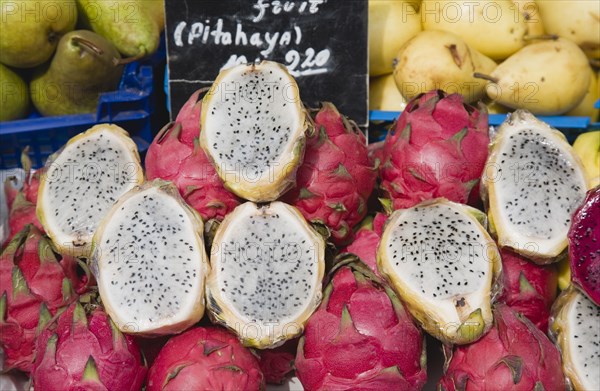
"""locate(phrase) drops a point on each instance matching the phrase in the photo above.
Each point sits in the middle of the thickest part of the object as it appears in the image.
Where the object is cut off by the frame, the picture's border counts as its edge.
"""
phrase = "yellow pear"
(547, 78)
(531, 13)
(440, 60)
(391, 24)
(495, 107)
(586, 107)
(384, 95)
(587, 147)
(494, 27)
(577, 20)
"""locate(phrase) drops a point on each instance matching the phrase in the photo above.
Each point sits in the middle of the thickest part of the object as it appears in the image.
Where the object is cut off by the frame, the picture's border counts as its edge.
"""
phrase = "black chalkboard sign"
(322, 42)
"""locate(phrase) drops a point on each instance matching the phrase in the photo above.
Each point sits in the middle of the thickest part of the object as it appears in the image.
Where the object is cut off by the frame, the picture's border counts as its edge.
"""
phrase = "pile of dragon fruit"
(261, 239)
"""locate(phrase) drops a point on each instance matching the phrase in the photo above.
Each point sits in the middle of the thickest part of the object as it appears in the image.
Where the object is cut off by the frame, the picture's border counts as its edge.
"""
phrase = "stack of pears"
(45, 61)
(529, 54)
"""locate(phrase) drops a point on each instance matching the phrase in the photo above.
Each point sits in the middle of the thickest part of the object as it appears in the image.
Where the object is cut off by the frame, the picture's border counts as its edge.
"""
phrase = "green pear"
(128, 24)
(14, 95)
(547, 78)
(577, 20)
(440, 60)
(156, 10)
(496, 28)
(31, 29)
(84, 66)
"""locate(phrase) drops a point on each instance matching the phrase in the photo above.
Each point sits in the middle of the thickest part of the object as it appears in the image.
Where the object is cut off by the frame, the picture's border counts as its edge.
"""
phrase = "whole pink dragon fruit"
(584, 246)
(336, 177)
(34, 285)
(528, 288)
(438, 148)
(205, 358)
(21, 204)
(361, 337)
(81, 352)
(514, 355)
(175, 155)
(278, 364)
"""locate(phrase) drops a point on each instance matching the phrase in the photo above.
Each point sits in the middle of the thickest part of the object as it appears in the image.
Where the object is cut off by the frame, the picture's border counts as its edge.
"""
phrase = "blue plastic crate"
(570, 126)
(129, 107)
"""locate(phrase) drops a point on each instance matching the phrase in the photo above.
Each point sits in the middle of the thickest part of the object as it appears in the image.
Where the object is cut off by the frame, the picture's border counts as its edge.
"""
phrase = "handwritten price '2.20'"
(308, 63)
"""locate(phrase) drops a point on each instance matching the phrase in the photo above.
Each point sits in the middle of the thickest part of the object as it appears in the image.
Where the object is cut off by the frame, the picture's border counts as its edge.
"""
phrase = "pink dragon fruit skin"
(189, 118)
(360, 337)
(205, 358)
(336, 177)
(528, 288)
(278, 364)
(34, 285)
(514, 355)
(80, 352)
(189, 168)
(438, 148)
(366, 241)
(21, 204)
(584, 246)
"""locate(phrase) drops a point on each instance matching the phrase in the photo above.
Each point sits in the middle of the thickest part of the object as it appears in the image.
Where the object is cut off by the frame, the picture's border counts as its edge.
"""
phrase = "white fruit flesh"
(150, 262)
(442, 263)
(267, 269)
(253, 129)
(82, 182)
(535, 182)
(577, 331)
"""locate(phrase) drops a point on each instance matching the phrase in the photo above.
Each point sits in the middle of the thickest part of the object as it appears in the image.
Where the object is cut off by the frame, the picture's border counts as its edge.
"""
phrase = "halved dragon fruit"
(150, 262)
(532, 185)
(575, 326)
(361, 337)
(205, 359)
(336, 177)
(86, 352)
(515, 355)
(584, 246)
(267, 266)
(34, 285)
(253, 129)
(444, 265)
(82, 181)
(528, 288)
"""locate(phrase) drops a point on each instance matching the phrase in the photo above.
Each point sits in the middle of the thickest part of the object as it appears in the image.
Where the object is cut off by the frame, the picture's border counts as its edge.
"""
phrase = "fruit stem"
(88, 45)
(483, 76)
(129, 60)
(548, 37)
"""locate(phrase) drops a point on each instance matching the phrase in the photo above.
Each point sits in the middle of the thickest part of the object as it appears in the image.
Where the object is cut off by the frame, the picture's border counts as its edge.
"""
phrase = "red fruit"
(205, 358)
(514, 355)
(366, 241)
(34, 285)
(278, 364)
(336, 177)
(80, 352)
(361, 337)
(150, 347)
(437, 149)
(528, 288)
(189, 168)
(189, 118)
(22, 203)
(584, 246)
